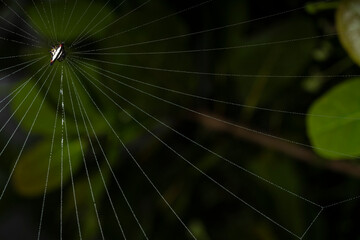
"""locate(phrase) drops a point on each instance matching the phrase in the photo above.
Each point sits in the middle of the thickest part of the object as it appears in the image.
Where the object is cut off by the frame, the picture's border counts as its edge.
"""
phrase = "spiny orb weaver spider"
(57, 53)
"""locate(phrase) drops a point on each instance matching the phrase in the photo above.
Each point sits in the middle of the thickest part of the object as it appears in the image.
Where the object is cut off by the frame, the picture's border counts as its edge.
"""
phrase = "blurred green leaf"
(342, 133)
(315, 7)
(60, 22)
(199, 230)
(313, 84)
(30, 173)
(45, 121)
(348, 27)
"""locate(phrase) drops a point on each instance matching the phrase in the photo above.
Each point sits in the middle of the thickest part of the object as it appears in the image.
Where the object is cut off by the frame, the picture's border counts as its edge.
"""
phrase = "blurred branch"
(298, 152)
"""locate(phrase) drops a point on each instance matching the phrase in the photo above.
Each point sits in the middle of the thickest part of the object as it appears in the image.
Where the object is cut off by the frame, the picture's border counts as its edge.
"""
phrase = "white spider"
(57, 53)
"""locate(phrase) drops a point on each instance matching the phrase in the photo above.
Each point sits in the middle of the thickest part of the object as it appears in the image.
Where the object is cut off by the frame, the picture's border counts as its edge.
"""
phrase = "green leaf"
(198, 228)
(67, 22)
(315, 7)
(348, 26)
(72, 79)
(29, 96)
(30, 173)
(339, 135)
(45, 121)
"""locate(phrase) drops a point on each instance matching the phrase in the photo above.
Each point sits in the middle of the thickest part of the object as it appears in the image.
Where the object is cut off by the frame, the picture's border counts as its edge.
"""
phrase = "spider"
(57, 53)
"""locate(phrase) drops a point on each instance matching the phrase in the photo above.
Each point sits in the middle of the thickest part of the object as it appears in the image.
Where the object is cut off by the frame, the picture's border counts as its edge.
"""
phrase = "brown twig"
(216, 123)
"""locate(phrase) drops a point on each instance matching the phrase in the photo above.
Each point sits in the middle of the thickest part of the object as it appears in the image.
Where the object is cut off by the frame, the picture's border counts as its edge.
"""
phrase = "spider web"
(139, 69)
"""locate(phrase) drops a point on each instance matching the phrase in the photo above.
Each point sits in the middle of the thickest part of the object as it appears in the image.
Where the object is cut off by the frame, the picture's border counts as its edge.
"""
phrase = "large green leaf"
(26, 106)
(348, 27)
(337, 136)
(28, 101)
(30, 173)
